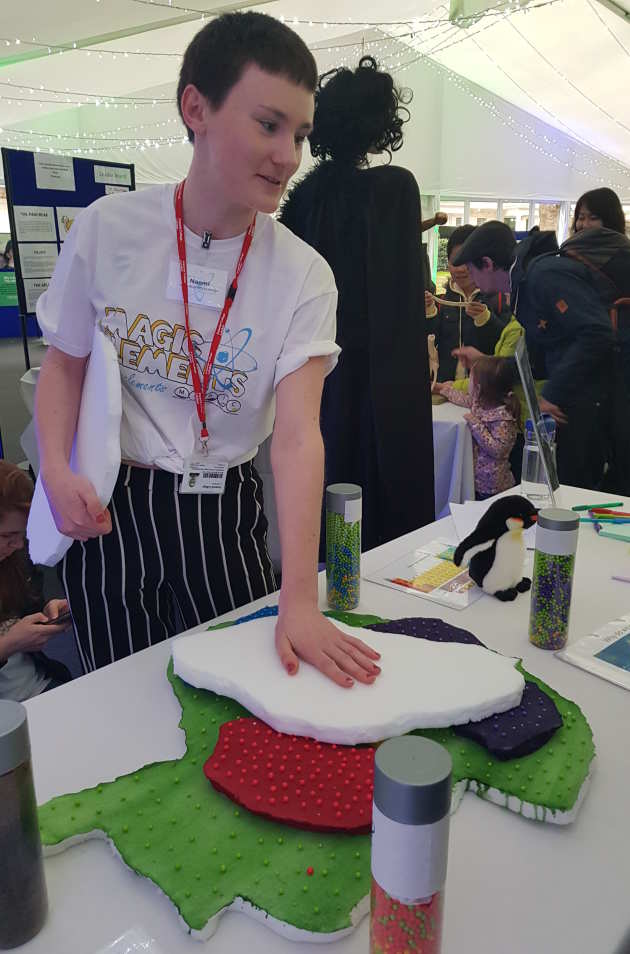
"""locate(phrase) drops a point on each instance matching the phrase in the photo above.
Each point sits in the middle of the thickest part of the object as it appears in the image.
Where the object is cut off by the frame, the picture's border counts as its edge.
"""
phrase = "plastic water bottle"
(533, 481)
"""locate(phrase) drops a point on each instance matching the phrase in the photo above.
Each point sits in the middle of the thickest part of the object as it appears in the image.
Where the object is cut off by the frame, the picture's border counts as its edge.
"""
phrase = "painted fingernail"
(100, 518)
(349, 681)
(376, 669)
(291, 669)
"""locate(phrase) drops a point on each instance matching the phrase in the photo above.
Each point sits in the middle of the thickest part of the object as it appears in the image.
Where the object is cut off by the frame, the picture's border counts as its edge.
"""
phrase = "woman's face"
(587, 219)
(459, 273)
(12, 533)
(253, 142)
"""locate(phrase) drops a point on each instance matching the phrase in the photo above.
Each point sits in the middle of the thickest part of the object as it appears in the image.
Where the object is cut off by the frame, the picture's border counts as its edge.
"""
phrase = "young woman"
(25, 622)
(224, 327)
(366, 222)
(597, 209)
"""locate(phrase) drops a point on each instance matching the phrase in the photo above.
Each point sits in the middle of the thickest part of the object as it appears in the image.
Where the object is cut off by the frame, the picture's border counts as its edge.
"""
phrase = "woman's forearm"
(298, 470)
(57, 402)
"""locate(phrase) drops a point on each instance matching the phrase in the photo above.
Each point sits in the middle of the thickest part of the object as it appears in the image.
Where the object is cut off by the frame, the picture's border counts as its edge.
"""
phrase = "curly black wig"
(356, 112)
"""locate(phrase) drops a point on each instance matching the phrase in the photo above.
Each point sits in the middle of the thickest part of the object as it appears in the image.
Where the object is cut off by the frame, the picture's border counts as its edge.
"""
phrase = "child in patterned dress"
(494, 412)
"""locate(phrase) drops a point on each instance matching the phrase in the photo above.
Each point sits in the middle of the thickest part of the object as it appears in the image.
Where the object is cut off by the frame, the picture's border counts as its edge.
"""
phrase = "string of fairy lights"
(398, 45)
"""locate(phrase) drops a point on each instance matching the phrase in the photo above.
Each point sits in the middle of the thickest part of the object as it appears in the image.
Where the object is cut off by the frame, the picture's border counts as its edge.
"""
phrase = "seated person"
(25, 625)
(472, 319)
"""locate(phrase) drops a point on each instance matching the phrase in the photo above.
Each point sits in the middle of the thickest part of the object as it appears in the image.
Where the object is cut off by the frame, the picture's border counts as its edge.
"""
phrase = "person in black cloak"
(366, 222)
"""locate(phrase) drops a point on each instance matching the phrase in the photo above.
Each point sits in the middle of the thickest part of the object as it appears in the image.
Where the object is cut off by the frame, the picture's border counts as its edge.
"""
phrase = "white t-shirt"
(119, 266)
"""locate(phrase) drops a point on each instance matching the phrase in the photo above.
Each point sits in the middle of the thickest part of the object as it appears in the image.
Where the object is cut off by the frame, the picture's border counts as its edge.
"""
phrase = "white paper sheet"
(66, 214)
(114, 175)
(33, 289)
(54, 172)
(34, 223)
(38, 259)
(604, 652)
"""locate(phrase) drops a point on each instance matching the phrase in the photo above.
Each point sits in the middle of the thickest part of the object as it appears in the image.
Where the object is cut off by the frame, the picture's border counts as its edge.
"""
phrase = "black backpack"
(607, 256)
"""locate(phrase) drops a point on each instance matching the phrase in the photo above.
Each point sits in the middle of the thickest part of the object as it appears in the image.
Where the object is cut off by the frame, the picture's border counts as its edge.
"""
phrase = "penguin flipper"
(475, 542)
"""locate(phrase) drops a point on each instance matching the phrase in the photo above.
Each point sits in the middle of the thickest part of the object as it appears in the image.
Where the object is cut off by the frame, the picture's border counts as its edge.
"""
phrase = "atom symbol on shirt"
(233, 349)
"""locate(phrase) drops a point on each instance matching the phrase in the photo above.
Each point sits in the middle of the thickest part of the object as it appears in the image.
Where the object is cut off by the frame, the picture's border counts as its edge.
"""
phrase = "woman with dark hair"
(366, 222)
(223, 327)
(599, 209)
(26, 624)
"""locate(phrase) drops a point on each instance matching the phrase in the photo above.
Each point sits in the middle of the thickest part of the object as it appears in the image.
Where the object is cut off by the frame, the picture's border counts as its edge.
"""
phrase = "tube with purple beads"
(552, 583)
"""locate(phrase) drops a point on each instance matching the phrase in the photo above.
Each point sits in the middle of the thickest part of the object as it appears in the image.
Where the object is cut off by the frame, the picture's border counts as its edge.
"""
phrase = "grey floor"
(14, 417)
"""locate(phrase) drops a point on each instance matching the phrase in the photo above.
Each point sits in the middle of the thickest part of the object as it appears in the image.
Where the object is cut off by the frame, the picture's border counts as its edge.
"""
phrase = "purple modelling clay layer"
(507, 735)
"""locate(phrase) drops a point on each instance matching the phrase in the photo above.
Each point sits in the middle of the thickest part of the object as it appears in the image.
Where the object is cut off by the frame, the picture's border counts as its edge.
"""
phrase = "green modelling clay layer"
(171, 826)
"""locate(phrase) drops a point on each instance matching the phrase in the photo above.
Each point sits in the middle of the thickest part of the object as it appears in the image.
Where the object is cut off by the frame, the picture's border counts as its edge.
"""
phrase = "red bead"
(310, 871)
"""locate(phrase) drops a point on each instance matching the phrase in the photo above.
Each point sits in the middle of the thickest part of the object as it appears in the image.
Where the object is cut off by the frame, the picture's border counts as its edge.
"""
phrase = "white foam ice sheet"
(422, 685)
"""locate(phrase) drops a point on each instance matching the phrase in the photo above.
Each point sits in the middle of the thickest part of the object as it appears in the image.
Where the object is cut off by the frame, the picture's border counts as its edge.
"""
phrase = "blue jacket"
(567, 327)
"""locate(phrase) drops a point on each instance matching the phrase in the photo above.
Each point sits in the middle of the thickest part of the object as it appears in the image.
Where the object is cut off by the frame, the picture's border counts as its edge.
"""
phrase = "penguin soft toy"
(494, 552)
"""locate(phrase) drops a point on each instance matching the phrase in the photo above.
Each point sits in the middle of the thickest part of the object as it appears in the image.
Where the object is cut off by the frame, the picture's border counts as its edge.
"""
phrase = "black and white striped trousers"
(204, 553)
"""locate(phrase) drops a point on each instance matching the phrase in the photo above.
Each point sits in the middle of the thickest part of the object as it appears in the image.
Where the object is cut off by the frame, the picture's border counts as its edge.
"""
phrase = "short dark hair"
(356, 111)
(218, 55)
(493, 240)
(457, 237)
(605, 204)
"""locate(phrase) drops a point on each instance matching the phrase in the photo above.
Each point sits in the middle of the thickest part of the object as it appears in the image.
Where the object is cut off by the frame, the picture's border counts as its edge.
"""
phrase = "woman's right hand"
(77, 511)
(28, 635)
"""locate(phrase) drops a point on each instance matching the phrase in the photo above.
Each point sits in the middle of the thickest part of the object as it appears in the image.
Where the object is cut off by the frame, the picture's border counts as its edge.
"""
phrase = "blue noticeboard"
(42, 191)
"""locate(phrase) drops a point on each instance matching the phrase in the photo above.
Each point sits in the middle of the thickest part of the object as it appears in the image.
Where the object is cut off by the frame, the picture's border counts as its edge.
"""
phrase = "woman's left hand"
(56, 608)
(303, 633)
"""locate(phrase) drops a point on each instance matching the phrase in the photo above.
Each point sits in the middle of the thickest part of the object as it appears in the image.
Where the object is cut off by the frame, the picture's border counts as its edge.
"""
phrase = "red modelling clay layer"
(300, 782)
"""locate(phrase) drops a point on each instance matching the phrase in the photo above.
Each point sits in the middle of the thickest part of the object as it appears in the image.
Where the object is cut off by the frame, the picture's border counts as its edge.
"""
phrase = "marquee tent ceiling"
(99, 75)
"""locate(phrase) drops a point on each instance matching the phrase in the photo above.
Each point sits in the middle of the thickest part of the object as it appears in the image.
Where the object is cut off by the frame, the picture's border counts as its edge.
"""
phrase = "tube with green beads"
(343, 545)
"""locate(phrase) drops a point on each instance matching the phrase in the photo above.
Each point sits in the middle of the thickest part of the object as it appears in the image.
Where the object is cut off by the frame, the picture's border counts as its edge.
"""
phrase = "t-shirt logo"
(562, 306)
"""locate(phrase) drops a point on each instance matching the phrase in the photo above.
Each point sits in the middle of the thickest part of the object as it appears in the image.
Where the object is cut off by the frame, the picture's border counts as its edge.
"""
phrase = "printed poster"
(54, 172)
(112, 175)
(38, 259)
(33, 289)
(65, 219)
(429, 572)
(34, 223)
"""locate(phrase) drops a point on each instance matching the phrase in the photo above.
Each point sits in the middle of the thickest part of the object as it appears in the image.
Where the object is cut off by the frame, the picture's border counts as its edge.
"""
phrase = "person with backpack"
(599, 209)
(562, 299)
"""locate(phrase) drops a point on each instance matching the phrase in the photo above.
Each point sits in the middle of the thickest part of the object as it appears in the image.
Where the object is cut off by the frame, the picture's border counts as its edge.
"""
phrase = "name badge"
(207, 287)
(203, 475)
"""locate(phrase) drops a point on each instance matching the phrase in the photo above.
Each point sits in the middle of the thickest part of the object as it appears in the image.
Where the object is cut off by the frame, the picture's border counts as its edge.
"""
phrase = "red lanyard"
(201, 384)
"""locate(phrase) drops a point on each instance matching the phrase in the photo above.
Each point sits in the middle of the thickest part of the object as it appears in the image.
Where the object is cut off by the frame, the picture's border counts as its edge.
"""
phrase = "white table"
(514, 886)
(452, 457)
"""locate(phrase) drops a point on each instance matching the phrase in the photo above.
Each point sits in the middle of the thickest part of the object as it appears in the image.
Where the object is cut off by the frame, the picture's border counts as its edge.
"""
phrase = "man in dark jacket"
(569, 338)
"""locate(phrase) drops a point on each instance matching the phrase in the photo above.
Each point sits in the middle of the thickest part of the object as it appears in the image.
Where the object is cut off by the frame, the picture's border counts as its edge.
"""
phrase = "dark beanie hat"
(492, 239)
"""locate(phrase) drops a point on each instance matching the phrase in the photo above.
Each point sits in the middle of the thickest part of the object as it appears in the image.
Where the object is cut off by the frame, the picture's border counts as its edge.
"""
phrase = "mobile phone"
(62, 618)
